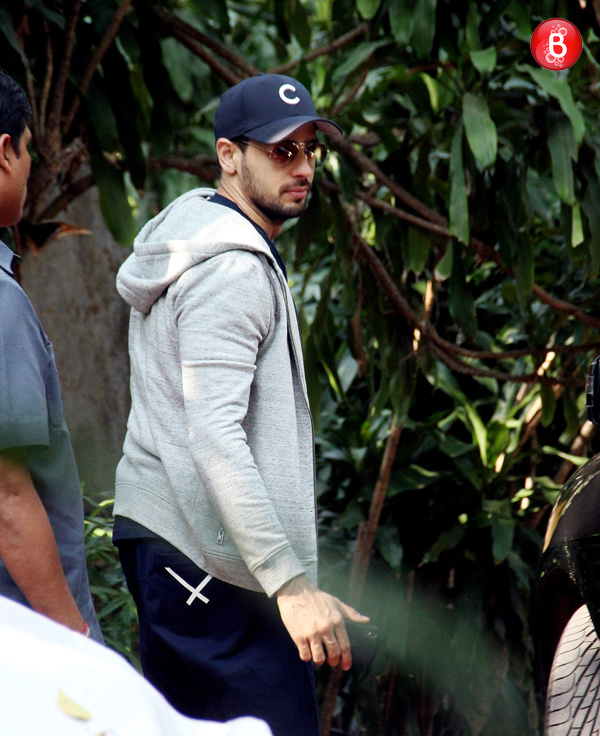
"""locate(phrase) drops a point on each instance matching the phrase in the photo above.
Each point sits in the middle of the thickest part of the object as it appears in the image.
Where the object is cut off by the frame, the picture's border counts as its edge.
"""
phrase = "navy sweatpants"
(214, 650)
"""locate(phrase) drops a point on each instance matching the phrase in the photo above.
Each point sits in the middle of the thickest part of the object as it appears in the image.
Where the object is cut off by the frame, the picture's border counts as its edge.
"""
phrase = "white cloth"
(55, 682)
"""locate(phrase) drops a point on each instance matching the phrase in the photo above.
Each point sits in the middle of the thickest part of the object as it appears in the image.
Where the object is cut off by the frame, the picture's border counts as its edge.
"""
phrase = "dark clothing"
(229, 642)
(125, 528)
(31, 417)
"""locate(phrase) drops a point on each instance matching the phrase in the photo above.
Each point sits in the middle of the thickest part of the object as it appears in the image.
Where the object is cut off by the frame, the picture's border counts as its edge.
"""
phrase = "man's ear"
(226, 151)
(6, 153)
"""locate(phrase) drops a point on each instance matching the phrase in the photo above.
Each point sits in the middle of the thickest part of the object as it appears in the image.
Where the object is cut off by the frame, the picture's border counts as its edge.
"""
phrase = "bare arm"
(315, 619)
(27, 544)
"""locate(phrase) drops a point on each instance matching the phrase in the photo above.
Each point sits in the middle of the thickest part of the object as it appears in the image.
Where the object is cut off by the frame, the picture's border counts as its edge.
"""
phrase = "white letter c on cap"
(288, 88)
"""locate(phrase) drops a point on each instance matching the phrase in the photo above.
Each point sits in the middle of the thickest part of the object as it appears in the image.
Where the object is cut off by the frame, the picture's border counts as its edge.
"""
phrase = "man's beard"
(272, 209)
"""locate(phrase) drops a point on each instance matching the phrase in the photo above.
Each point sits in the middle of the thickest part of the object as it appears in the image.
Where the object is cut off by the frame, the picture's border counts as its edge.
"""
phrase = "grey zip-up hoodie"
(219, 453)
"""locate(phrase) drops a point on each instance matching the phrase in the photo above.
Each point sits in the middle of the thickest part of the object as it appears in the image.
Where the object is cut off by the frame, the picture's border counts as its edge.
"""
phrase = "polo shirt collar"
(7, 259)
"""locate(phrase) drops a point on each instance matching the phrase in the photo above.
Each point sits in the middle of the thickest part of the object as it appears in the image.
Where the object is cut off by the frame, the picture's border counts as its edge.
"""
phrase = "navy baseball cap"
(267, 108)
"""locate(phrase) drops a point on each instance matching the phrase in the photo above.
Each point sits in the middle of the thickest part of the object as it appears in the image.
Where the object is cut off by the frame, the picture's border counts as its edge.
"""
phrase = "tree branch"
(204, 167)
(47, 85)
(360, 559)
(65, 198)
(328, 48)
(186, 32)
(339, 106)
(94, 63)
(444, 350)
(368, 528)
(53, 126)
(366, 164)
(484, 250)
(380, 204)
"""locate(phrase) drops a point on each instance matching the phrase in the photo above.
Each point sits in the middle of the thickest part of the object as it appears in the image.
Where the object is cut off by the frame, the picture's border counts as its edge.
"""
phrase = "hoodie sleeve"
(223, 312)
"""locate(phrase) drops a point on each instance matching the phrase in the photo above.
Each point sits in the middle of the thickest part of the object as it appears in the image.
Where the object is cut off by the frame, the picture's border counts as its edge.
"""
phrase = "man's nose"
(301, 166)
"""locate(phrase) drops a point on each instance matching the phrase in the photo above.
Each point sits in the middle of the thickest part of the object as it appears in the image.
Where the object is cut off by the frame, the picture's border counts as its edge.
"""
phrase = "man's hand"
(315, 621)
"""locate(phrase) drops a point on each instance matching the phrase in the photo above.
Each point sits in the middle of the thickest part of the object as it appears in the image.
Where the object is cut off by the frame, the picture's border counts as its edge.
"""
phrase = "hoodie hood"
(190, 230)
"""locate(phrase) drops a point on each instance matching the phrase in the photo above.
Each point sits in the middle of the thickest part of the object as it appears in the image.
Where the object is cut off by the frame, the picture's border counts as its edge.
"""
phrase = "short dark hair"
(15, 109)
(241, 142)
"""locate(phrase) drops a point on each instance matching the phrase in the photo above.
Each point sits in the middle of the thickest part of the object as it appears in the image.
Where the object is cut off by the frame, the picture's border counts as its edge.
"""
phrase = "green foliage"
(114, 605)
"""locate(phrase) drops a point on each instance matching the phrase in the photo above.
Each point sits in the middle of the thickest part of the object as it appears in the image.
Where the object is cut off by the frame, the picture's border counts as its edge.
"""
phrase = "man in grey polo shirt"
(42, 562)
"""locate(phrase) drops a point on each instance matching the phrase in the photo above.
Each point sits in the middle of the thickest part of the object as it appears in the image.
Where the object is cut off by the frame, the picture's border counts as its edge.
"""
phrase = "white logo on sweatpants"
(288, 100)
(194, 591)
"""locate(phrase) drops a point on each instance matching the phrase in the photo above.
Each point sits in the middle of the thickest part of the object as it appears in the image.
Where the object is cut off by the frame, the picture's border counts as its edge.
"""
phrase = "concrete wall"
(71, 283)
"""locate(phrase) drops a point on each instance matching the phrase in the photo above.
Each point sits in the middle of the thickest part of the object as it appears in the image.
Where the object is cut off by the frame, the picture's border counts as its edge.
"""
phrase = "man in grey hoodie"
(215, 502)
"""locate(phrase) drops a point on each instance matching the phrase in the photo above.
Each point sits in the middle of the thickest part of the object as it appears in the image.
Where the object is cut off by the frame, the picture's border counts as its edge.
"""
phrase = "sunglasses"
(282, 154)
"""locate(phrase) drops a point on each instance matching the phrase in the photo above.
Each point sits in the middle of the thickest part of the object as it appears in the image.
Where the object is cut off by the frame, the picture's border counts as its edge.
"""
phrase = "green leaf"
(388, 545)
(443, 267)
(309, 225)
(460, 299)
(8, 31)
(576, 226)
(347, 369)
(525, 270)
(424, 28)
(446, 541)
(484, 61)
(418, 248)
(559, 88)
(113, 196)
(562, 152)
(356, 58)
(216, 9)
(592, 213)
(503, 534)
(548, 405)
(401, 391)
(314, 386)
(57, 19)
(183, 67)
(402, 19)
(412, 478)
(480, 129)
(351, 517)
(521, 16)
(454, 447)
(299, 22)
(446, 381)
(575, 459)
(367, 8)
(459, 207)
(472, 27)
(479, 431)
(499, 515)
(281, 22)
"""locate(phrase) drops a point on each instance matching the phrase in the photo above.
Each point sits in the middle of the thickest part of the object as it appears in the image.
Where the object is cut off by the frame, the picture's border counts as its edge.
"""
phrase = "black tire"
(573, 697)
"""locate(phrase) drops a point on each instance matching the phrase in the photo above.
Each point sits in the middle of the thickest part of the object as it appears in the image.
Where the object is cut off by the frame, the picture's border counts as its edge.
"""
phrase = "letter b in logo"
(556, 44)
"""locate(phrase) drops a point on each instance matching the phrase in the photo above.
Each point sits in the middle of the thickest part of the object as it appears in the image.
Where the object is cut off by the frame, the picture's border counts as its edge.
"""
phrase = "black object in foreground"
(363, 640)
